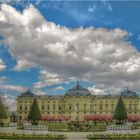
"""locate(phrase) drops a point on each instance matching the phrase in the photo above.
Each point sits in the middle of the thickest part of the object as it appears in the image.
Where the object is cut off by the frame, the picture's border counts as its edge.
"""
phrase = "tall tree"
(3, 111)
(120, 113)
(34, 114)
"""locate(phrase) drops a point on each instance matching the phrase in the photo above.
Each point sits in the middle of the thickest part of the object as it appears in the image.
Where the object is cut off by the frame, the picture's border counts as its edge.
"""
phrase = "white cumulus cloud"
(2, 65)
(59, 88)
(96, 54)
(12, 88)
(46, 78)
(9, 101)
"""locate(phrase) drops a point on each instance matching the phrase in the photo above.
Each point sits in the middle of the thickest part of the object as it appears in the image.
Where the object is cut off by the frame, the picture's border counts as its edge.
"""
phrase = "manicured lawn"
(57, 126)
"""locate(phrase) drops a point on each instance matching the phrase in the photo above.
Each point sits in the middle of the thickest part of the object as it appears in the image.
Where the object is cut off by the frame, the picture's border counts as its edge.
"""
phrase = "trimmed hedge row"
(85, 127)
(31, 136)
(113, 136)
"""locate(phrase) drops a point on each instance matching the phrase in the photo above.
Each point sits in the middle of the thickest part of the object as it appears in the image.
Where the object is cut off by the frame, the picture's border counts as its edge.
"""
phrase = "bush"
(79, 126)
(114, 136)
(30, 136)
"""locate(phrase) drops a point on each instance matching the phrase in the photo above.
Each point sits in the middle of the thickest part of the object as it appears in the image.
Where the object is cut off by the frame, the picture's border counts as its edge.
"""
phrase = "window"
(43, 107)
(69, 106)
(20, 107)
(53, 107)
(25, 107)
(20, 118)
(48, 107)
(106, 106)
(59, 107)
(101, 107)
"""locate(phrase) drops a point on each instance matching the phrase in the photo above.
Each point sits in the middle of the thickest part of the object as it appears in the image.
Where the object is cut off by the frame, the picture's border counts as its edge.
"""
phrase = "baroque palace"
(76, 103)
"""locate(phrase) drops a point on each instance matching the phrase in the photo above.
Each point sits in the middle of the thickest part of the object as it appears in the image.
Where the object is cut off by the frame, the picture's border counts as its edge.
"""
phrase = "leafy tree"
(34, 114)
(3, 112)
(120, 113)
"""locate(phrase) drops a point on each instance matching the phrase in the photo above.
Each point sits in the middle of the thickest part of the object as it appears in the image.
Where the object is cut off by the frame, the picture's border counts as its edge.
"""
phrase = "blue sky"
(72, 15)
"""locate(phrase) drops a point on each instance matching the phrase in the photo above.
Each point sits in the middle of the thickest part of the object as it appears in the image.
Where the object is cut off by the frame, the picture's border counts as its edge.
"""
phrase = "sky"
(46, 46)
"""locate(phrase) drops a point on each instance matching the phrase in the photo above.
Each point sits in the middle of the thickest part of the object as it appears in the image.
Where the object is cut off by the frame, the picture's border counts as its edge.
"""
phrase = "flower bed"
(114, 136)
(85, 127)
(31, 136)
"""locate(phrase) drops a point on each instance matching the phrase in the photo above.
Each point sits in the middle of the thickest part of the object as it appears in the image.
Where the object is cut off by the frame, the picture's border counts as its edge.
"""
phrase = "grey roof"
(51, 96)
(27, 94)
(107, 96)
(78, 90)
(128, 93)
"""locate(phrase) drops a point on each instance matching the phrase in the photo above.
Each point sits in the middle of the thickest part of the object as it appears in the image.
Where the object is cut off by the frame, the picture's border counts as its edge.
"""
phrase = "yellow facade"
(77, 103)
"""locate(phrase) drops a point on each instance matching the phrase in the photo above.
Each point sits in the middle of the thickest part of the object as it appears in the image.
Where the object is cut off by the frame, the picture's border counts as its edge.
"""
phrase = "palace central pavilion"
(77, 102)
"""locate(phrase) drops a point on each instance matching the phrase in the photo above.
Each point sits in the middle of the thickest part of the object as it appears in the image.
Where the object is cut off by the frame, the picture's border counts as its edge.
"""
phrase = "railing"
(119, 128)
(35, 129)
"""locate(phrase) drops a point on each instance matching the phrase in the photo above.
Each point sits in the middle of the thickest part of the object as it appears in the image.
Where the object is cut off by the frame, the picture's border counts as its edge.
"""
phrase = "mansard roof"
(27, 94)
(128, 93)
(78, 90)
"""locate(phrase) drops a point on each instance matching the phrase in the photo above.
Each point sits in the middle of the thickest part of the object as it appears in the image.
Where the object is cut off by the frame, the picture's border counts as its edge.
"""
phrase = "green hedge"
(114, 136)
(31, 136)
(84, 127)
